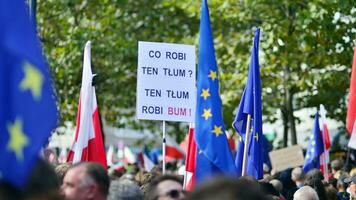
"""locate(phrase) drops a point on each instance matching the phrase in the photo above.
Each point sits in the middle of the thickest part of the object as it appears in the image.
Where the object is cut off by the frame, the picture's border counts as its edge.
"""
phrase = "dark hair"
(97, 173)
(314, 174)
(244, 188)
(151, 193)
(318, 186)
(43, 182)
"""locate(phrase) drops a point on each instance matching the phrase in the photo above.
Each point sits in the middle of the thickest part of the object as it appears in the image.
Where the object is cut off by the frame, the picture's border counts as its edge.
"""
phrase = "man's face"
(170, 190)
(72, 187)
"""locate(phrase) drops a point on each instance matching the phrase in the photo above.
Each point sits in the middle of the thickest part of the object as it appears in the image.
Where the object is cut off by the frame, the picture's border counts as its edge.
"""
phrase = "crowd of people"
(90, 181)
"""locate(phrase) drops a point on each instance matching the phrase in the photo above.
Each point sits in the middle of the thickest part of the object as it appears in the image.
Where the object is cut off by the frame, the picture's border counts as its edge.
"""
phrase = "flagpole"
(164, 148)
(246, 145)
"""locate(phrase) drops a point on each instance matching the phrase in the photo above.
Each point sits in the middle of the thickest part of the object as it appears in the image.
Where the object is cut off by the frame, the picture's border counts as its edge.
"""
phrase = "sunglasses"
(175, 193)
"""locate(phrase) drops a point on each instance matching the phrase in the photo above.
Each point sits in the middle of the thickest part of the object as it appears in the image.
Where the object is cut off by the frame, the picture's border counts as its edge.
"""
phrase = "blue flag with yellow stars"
(251, 104)
(315, 147)
(27, 106)
(214, 155)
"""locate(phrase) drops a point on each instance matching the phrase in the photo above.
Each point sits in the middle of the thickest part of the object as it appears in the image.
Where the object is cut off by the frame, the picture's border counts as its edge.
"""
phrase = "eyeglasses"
(175, 193)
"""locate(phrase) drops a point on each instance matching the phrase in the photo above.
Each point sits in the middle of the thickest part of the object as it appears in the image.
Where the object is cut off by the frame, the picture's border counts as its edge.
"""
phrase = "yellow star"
(33, 80)
(213, 75)
(217, 130)
(207, 114)
(205, 94)
(18, 139)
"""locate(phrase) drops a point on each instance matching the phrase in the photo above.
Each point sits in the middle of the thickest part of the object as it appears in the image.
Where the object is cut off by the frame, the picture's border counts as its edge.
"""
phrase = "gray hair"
(277, 184)
(297, 174)
(305, 193)
(124, 189)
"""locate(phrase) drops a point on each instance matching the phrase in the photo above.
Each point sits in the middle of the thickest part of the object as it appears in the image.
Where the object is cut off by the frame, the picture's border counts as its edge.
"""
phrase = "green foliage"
(300, 50)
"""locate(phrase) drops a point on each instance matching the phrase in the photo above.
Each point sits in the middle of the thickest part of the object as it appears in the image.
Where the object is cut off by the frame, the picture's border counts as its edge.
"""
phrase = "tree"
(305, 52)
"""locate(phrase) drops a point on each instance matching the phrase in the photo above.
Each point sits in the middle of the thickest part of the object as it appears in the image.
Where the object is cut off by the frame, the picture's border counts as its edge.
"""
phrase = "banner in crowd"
(166, 82)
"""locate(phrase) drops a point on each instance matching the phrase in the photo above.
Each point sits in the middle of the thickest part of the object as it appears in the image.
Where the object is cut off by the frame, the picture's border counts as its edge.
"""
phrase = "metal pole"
(164, 148)
(246, 145)
(32, 8)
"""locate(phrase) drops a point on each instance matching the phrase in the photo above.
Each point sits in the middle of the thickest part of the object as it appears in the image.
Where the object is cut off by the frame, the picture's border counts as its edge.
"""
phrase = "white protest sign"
(285, 158)
(166, 87)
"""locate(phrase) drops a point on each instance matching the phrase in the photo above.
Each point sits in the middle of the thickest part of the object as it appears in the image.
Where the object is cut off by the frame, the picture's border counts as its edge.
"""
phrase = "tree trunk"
(285, 125)
(291, 117)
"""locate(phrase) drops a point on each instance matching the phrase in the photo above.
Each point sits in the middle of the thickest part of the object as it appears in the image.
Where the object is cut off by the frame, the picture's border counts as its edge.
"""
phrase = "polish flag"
(189, 177)
(88, 142)
(351, 110)
(173, 150)
(324, 157)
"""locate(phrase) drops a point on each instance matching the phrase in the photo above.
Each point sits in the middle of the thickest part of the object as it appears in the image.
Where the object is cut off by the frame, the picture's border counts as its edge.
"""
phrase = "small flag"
(251, 104)
(28, 111)
(189, 178)
(110, 156)
(88, 144)
(173, 150)
(147, 162)
(62, 155)
(324, 158)
(214, 155)
(315, 147)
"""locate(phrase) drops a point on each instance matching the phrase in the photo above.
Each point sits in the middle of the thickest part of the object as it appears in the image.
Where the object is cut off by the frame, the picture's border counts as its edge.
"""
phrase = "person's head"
(165, 187)
(318, 186)
(42, 183)
(351, 181)
(305, 193)
(124, 189)
(61, 170)
(277, 184)
(297, 174)
(86, 180)
(331, 192)
(244, 188)
(341, 186)
(336, 165)
(314, 174)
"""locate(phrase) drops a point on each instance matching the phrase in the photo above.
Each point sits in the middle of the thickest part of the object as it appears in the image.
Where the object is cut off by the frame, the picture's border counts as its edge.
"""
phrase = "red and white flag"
(88, 143)
(351, 109)
(173, 149)
(324, 157)
(189, 177)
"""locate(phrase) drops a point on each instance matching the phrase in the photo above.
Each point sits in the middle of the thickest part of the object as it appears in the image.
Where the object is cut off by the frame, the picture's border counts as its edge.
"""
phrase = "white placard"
(285, 158)
(166, 77)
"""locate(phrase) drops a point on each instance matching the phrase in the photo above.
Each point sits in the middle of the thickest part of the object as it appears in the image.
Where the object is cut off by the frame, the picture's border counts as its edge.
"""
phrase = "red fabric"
(95, 151)
(351, 110)
(173, 152)
(231, 142)
(190, 160)
(327, 138)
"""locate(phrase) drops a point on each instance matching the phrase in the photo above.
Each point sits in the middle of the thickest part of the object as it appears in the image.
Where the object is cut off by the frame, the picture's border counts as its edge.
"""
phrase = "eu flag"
(251, 104)
(27, 107)
(315, 147)
(214, 155)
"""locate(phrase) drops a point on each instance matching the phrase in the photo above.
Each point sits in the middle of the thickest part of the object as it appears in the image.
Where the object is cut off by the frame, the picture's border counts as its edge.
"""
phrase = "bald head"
(86, 181)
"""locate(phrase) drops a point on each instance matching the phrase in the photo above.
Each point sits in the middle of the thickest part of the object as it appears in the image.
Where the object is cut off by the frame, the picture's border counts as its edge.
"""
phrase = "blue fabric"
(315, 147)
(251, 104)
(213, 152)
(28, 111)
